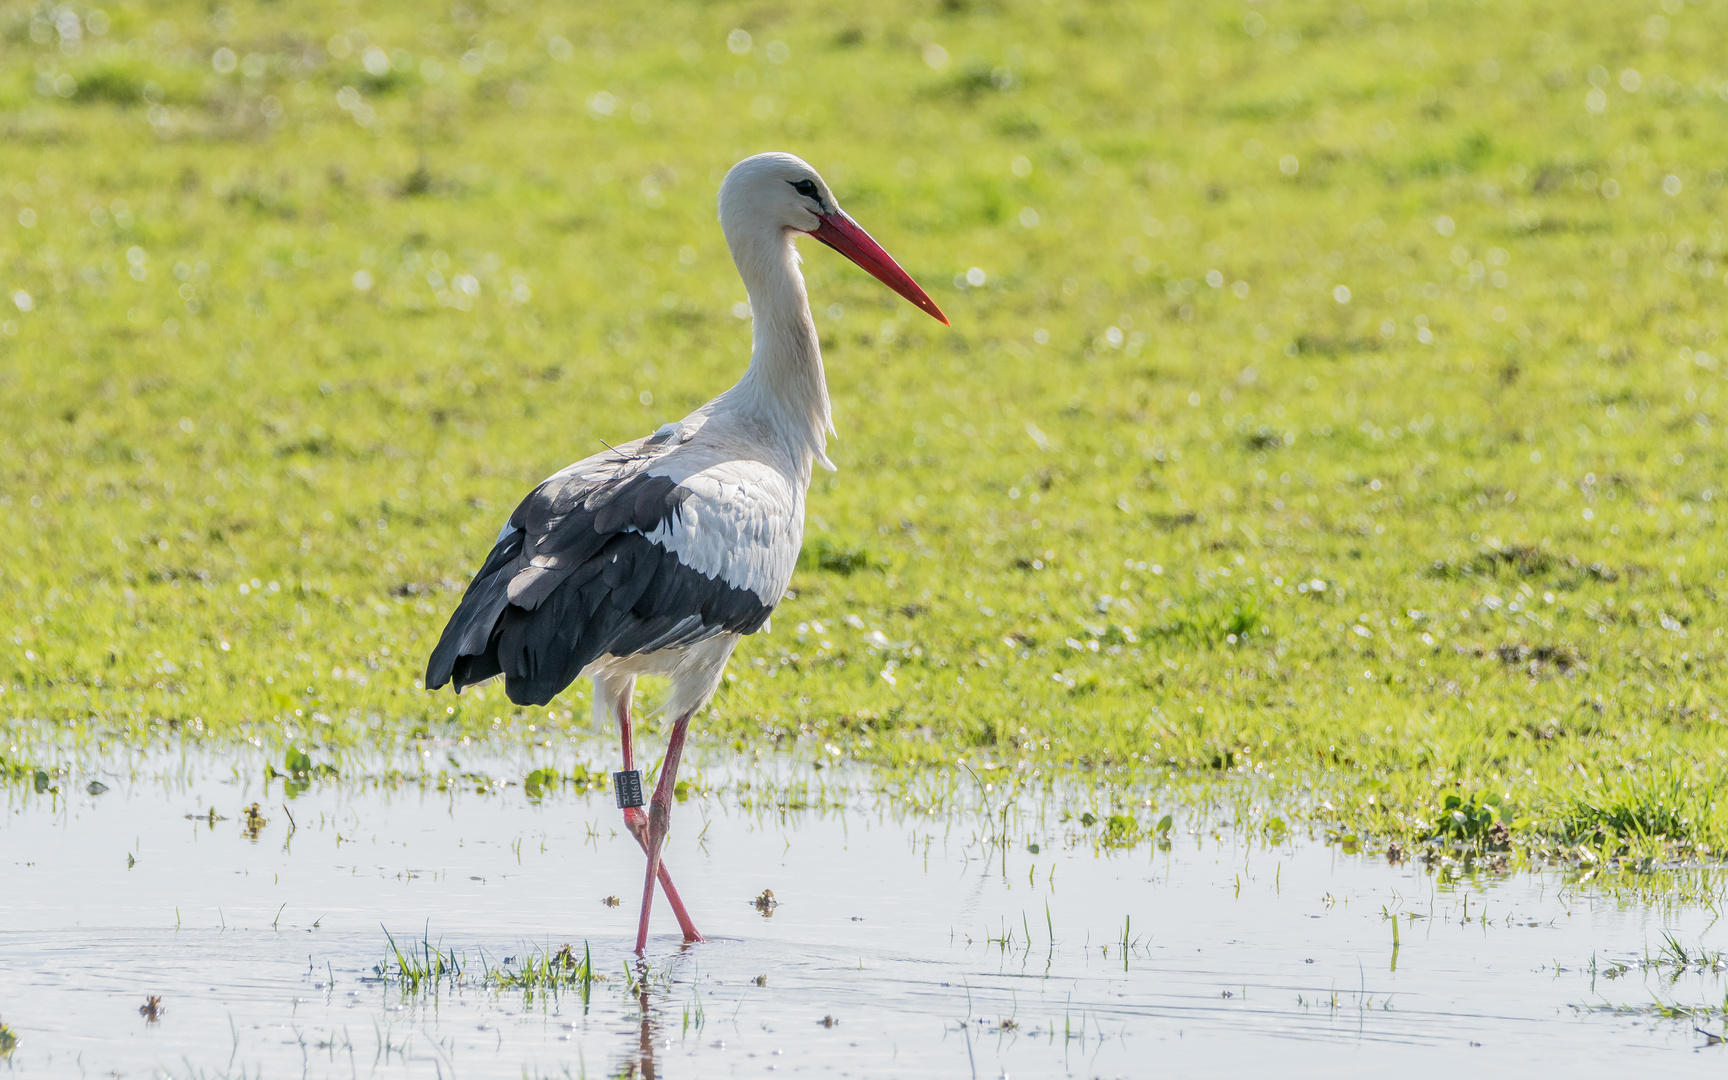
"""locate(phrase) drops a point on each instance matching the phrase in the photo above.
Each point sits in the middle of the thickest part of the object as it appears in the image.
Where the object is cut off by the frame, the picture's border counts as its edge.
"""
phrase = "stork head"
(770, 195)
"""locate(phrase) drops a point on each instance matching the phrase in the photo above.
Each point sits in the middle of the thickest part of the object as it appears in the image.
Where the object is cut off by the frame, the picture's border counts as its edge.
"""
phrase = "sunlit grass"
(1340, 406)
(425, 968)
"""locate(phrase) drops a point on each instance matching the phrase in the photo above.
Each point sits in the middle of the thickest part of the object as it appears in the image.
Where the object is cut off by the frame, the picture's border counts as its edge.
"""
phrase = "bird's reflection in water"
(639, 1064)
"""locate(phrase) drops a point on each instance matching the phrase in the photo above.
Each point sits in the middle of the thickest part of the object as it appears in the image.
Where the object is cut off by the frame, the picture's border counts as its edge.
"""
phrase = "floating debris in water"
(611, 901)
(766, 903)
(254, 821)
(152, 1009)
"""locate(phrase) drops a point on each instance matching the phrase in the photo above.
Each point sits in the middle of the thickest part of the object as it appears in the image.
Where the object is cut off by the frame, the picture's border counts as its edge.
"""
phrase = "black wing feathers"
(471, 626)
(589, 583)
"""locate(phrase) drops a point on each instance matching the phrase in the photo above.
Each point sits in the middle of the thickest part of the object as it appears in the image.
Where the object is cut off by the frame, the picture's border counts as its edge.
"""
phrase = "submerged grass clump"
(15, 770)
(427, 966)
(542, 970)
(430, 969)
(1337, 415)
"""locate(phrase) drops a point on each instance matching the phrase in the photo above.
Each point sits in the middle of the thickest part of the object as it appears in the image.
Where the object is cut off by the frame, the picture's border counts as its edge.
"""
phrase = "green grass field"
(1335, 398)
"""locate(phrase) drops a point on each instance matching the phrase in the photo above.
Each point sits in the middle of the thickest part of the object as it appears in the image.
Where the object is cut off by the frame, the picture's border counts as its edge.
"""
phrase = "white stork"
(655, 557)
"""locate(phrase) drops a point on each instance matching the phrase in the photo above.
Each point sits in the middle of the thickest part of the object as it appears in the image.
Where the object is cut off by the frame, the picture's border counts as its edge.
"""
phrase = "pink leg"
(637, 822)
(659, 823)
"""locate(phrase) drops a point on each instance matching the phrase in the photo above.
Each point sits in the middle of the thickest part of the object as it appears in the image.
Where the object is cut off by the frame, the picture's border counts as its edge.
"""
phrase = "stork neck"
(785, 382)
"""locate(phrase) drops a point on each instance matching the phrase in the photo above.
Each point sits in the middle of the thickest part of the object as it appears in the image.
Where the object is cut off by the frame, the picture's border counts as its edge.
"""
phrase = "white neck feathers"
(785, 386)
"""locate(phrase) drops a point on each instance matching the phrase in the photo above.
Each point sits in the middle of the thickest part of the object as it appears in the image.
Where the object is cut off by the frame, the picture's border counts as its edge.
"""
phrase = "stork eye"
(806, 188)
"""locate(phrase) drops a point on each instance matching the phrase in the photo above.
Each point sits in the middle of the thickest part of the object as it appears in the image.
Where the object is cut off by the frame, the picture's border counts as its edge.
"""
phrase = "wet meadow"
(1321, 469)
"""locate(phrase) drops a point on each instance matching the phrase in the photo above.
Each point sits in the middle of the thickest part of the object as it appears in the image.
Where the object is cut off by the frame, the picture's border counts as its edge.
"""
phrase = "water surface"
(903, 944)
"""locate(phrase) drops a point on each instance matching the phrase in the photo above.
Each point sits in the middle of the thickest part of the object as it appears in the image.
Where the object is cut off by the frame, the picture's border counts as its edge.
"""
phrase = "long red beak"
(844, 235)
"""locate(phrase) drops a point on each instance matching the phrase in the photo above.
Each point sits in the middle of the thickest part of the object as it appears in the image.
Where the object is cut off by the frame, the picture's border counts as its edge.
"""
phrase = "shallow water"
(928, 948)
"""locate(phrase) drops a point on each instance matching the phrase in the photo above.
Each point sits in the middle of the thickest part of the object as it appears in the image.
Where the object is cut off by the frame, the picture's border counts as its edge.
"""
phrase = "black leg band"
(628, 786)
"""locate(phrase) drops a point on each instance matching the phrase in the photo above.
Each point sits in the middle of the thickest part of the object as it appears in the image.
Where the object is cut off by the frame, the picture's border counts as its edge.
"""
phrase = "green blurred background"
(1333, 390)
